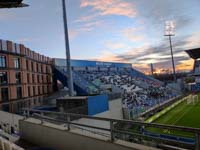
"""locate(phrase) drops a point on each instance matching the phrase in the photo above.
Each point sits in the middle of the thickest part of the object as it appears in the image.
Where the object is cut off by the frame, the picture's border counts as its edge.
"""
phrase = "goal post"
(192, 99)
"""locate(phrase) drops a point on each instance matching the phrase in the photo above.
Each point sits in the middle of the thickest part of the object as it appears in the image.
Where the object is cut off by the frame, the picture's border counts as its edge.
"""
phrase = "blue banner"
(87, 63)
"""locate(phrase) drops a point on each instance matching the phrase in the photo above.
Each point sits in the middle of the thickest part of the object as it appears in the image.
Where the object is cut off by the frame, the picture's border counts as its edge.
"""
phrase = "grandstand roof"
(194, 53)
(12, 4)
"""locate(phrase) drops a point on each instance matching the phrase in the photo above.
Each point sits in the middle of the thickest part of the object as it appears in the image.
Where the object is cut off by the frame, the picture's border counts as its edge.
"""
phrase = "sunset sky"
(108, 30)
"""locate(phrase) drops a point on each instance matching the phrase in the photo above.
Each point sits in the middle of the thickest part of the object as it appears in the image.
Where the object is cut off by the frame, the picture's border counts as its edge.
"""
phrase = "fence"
(115, 132)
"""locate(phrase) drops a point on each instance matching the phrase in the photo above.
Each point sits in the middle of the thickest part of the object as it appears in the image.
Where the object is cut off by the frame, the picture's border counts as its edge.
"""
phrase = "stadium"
(183, 112)
(49, 103)
(143, 98)
(112, 90)
(118, 80)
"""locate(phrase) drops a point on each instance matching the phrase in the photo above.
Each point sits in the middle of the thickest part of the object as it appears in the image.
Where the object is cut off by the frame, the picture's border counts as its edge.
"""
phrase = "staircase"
(81, 86)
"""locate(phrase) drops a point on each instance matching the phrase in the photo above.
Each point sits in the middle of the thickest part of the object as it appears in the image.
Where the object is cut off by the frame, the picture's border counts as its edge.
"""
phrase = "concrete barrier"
(58, 138)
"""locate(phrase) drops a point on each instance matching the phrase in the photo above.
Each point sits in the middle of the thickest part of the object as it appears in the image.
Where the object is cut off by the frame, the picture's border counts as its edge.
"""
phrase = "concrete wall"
(60, 139)
(10, 119)
(115, 110)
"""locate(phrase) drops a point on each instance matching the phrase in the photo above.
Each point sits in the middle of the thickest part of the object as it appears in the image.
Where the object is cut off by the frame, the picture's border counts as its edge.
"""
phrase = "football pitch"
(183, 114)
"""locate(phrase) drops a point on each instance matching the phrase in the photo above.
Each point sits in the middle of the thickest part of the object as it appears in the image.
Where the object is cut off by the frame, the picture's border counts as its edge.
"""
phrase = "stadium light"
(169, 31)
(68, 57)
(12, 4)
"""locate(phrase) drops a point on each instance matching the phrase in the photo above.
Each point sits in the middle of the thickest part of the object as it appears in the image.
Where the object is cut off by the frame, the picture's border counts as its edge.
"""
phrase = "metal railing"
(116, 133)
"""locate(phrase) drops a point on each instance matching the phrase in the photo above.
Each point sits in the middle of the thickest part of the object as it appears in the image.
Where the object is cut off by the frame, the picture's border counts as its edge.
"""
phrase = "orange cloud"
(185, 65)
(109, 57)
(115, 45)
(110, 7)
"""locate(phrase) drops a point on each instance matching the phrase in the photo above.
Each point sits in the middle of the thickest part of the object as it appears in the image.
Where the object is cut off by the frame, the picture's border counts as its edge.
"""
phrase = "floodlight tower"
(68, 57)
(169, 31)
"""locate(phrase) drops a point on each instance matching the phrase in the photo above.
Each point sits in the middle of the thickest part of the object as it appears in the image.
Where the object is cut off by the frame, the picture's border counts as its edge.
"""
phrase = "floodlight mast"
(68, 57)
(169, 31)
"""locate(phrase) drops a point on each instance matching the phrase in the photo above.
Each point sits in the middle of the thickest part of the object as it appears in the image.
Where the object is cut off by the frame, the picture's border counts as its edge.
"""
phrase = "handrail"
(67, 122)
(40, 114)
(76, 81)
(162, 126)
(37, 116)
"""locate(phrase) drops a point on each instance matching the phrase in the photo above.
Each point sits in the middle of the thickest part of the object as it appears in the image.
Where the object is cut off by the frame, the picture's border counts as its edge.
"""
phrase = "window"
(42, 69)
(39, 90)
(19, 92)
(33, 91)
(32, 66)
(38, 78)
(29, 91)
(4, 45)
(16, 63)
(37, 68)
(27, 65)
(17, 48)
(13, 48)
(3, 78)
(47, 70)
(28, 78)
(18, 77)
(33, 78)
(42, 78)
(4, 94)
(43, 90)
(2, 61)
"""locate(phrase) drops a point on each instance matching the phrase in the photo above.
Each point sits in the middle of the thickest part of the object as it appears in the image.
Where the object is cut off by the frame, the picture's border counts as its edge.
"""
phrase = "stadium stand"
(194, 54)
(138, 91)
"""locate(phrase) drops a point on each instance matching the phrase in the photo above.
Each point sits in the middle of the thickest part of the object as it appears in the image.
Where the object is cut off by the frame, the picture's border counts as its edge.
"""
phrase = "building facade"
(25, 76)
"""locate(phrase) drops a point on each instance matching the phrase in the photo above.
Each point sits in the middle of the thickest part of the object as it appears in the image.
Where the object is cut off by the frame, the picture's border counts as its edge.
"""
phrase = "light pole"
(169, 31)
(68, 57)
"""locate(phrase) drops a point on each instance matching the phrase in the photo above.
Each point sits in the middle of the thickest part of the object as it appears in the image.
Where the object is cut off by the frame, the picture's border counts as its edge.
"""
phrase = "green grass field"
(183, 114)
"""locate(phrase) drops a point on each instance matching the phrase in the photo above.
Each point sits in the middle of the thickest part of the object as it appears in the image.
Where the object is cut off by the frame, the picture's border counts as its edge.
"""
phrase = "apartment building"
(25, 76)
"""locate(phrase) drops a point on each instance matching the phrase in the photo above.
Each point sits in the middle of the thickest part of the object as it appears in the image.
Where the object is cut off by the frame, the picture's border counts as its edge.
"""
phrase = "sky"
(130, 31)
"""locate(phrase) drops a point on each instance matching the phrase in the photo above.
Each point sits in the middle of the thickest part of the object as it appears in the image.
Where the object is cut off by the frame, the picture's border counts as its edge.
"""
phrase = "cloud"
(193, 40)
(86, 18)
(142, 42)
(159, 55)
(185, 65)
(134, 34)
(84, 28)
(88, 26)
(115, 45)
(110, 7)
(109, 57)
